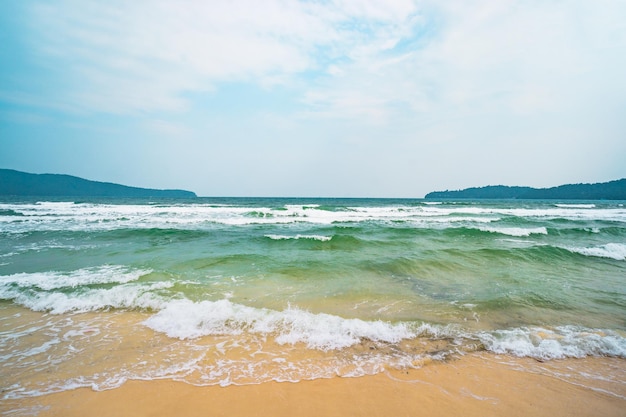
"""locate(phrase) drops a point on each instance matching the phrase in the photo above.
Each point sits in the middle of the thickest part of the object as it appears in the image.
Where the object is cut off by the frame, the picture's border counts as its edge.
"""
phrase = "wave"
(516, 231)
(96, 217)
(297, 237)
(125, 296)
(10, 213)
(554, 343)
(106, 274)
(43, 246)
(226, 343)
(65, 292)
(184, 319)
(583, 206)
(605, 230)
(547, 253)
(534, 253)
(615, 251)
(170, 233)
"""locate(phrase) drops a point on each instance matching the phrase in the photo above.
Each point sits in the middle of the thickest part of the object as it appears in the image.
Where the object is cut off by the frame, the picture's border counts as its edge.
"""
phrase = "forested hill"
(16, 183)
(612, 190)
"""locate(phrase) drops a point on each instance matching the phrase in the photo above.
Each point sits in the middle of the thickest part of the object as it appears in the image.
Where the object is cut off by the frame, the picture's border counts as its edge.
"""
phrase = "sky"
(337, 98)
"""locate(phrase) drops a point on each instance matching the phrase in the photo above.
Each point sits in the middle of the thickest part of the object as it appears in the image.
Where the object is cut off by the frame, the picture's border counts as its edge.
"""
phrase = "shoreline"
(478, 384)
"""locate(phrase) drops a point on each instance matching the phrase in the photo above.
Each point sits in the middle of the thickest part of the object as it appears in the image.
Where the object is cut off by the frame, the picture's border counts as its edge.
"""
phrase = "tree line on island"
(17, 183)
(612, 190)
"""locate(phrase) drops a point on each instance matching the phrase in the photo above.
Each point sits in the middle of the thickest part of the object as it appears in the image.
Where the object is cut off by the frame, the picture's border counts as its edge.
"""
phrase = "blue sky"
(351, 98)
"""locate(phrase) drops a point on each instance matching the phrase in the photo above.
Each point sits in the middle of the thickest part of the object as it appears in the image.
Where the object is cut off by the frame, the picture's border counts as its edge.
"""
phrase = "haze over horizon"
(351, 98)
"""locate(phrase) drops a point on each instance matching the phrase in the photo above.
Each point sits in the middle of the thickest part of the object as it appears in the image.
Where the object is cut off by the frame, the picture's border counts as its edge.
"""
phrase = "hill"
(612, 190)
(16, 183)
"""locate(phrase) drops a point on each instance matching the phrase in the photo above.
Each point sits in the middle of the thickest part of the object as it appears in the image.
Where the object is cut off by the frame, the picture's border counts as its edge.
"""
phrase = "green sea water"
(233, 290)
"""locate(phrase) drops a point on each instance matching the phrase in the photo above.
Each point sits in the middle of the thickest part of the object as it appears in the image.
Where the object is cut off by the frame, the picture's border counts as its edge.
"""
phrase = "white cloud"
(146, 55)
(490, 56)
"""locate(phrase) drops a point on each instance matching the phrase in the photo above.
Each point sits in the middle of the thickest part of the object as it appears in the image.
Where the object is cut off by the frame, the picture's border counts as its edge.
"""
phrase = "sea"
(235, 291)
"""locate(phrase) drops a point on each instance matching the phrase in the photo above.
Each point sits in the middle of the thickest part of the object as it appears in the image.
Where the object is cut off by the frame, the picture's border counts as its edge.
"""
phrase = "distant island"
(612, 190)
(17, 183)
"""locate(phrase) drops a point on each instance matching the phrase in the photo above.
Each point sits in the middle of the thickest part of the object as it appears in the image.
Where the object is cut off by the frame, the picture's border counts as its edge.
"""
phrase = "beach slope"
(474, 385)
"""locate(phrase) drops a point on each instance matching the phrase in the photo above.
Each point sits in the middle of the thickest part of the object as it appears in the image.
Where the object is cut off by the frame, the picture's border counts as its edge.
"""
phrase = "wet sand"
(479, 384)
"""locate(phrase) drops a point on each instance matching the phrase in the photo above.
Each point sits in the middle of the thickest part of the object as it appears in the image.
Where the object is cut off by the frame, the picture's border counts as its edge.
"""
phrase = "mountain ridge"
(18, 183)
(611, 190)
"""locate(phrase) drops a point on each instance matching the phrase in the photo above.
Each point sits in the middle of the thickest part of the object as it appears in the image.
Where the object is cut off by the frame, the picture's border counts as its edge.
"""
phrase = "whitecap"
(105, 274)
(130, 296)
(579, 206)
(557, 343)
(184, 319)
(516, 231)
(615, 251)
(95, 217)
(296, 237)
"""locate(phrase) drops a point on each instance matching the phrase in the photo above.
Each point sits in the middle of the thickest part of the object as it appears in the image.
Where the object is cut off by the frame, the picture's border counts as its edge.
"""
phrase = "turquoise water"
(238, 290)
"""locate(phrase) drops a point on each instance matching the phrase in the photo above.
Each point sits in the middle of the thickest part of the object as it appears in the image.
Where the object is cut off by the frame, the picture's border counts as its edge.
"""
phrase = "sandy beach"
(479, 384)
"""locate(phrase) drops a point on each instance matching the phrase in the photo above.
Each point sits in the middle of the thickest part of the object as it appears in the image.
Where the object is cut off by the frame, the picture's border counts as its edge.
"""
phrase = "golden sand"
(478, 384)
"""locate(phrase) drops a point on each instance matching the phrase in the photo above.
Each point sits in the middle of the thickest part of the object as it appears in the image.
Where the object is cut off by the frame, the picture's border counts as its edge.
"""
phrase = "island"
(612, 190)
(17, 183)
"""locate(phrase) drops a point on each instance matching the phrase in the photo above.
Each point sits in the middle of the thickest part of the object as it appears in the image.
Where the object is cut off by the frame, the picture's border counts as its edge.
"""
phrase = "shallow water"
(238, 291)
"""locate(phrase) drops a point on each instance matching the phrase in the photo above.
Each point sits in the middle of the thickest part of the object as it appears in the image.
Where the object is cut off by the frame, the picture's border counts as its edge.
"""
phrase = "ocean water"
(242, 291)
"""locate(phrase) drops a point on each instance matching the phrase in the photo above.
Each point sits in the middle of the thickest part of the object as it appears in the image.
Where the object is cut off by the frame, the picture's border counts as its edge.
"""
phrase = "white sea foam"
(446, 221)
(130, 296)
(615, 251)
(557, 343)
(235, 360)
(85, 217)
(46, 245)
(516, 231)
(583, 206)
(106, 274)
(543, 213)
(296, 237)
(185, 319)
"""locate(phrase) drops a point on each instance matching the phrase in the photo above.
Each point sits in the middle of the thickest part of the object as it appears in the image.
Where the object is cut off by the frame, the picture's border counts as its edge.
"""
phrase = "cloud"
(348, 58)
(144, 56)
